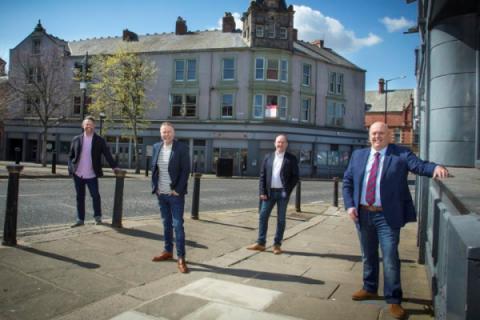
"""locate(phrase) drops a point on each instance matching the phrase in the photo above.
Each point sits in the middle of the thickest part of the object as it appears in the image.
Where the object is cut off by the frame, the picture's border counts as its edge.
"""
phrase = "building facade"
(228, 93)
(399, 115)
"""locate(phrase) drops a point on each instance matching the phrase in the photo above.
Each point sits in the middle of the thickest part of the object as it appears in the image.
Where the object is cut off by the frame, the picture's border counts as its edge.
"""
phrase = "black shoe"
(77, 224)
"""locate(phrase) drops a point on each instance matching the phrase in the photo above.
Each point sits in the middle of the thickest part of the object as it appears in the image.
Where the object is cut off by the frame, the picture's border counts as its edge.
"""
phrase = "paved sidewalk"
(96, 272)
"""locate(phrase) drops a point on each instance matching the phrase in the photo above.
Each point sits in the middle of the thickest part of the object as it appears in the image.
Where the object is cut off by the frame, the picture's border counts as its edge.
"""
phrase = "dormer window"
(36, 46)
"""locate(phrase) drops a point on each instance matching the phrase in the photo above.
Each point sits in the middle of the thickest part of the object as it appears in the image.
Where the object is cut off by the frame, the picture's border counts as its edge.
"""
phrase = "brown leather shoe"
(396, 311)
(182, 266)
(164, 256)
(256, 246)
(277, 250)
(364, 295)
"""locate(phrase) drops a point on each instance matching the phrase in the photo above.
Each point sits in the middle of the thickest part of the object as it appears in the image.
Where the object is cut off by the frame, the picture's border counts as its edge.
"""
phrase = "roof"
(397, 100)
(165, 42)
(325, 54)
(194, 41)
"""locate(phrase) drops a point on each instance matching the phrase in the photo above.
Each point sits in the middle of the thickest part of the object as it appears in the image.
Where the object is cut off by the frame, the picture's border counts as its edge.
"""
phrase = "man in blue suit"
(170, 170)
(278, 177)
(377, 198)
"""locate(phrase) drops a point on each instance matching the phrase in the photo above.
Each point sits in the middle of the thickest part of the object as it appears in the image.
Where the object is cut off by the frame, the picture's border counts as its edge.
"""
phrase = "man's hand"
(263, 197)
(174, 193)
(440, 172)
(352, 212)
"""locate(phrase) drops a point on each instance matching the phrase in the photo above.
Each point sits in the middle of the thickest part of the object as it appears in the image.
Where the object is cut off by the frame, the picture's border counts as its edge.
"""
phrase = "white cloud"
(393, 24)
(238, 23)
(313, 25)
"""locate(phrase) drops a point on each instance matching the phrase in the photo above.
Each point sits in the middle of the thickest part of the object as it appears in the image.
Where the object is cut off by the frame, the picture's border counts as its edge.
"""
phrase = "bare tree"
(41, 89)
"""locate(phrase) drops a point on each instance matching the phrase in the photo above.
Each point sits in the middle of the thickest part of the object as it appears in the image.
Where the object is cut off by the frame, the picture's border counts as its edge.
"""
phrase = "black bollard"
(11, 210)
(196, 195)
(54, 162)
(298, 196)
(118, 200)
(147, 165)
(335, 192)
(17, 155)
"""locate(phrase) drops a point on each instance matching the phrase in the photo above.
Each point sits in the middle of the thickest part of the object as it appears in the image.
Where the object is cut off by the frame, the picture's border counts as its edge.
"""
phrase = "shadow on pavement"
(155, 236)
(86, 265)
(261, 275)
(226, 224)
(348, 257)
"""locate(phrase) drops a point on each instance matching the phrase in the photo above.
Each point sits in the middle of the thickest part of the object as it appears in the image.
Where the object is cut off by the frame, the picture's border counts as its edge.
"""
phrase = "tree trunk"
(135, 147)
(44, 147)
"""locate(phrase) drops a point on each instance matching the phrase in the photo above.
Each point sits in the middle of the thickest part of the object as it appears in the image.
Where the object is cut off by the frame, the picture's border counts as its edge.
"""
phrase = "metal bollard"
(196, 195)
(17, 155)
(54, 162)
(118, 200)
(335, 192)
(147, 165)
(298, 195)
(11, 210)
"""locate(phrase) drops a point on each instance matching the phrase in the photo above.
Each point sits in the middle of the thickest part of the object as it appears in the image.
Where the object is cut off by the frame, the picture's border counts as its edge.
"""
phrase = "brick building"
(400, 114)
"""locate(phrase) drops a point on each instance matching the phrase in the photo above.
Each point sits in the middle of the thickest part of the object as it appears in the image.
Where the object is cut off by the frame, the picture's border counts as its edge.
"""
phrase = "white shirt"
(277, 167)
(371, 158)
(162, 163)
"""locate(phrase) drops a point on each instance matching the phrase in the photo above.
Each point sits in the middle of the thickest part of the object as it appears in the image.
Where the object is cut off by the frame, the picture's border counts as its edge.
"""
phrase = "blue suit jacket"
(395, 196)
(178, 167)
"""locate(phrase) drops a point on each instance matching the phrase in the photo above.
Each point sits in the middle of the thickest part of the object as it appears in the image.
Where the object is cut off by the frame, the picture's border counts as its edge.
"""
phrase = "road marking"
(135, 315)
(230, 293)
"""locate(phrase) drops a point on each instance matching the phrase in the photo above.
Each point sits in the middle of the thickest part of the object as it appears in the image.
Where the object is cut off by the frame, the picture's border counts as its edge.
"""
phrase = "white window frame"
(258, 106)
(258, 69)
(187, 70)
(232, 69)
(284, 70)
(306, 108)
(184, 105)
(282, 107)
(223, 105)
(307, 76)
(339, 84)
(338, 119)
(270, 30)
(332, 76)
(283, 33)
(259, 31)
(277, 61)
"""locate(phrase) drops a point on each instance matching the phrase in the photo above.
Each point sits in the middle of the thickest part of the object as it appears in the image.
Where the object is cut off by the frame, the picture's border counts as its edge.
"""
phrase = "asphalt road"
(50, 201)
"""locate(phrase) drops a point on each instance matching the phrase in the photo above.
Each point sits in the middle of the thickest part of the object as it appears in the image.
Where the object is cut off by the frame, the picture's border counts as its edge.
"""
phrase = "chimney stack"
(181, 26)
(381, 86)
(295, 34)
(228, 24)
(129, 36)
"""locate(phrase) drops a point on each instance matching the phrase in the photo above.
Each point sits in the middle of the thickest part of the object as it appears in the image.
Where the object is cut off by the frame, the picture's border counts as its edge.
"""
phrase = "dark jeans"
(92, 185)
(276, 197)
(373, 231)
(171, 209)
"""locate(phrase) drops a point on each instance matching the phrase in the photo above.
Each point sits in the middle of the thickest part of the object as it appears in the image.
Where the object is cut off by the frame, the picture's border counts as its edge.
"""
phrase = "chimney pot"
(228, 22)
(181, 26)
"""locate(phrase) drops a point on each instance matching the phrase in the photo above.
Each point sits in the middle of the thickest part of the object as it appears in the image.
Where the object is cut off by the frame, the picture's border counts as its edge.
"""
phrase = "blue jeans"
(276, 197)
(92, 185)
(373, 230)
(171, 209)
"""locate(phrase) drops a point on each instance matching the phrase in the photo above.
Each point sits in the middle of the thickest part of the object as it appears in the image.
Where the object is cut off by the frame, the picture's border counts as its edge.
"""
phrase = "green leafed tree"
(120, 86)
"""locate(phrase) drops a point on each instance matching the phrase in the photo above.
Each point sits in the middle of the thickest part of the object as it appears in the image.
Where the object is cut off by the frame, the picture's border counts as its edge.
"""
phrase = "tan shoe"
(396, 311)
(364, 295)
(277, 250)
(182, 266)
(164, 256)
(256, 247)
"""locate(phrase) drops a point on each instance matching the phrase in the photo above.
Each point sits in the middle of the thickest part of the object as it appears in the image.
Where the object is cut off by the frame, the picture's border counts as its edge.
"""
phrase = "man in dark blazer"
(377, 198)
(170, 171)
(278, 177)
(85, 164)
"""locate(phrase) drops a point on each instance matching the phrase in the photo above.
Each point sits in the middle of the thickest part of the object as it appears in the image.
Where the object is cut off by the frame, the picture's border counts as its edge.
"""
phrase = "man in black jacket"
(85, 164)
(278, 177)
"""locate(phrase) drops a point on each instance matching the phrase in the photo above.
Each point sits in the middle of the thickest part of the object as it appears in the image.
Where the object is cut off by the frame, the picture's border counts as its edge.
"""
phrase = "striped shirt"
(162, 163)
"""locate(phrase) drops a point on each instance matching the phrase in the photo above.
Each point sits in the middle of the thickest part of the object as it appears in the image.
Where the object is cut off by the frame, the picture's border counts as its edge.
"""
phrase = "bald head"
(378, 135)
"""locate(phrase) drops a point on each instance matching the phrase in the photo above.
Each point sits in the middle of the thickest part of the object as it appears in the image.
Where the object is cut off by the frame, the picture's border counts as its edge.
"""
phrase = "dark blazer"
(288, 173)
(394, 193)
(178, 167)
(99, 147)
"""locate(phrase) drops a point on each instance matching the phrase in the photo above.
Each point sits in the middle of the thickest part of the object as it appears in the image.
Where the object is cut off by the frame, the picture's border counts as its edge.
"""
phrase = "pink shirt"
(85, 167)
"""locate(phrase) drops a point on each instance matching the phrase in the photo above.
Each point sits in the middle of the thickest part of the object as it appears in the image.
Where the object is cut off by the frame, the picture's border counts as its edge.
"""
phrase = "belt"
(371, 208)
(276, 189)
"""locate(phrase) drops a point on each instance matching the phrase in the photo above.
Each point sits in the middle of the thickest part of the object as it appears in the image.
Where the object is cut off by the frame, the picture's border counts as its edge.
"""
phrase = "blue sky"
(367, 32)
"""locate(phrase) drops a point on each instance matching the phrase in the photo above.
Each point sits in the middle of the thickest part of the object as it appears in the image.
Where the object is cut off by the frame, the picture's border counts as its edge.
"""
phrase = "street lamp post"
(102, 116)
(381, 82)
(83, 85)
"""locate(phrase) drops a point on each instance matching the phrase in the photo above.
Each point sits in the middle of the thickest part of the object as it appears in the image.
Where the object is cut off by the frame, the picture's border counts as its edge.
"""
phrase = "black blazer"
(99, 147)
(288, 173)
(178, 167)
